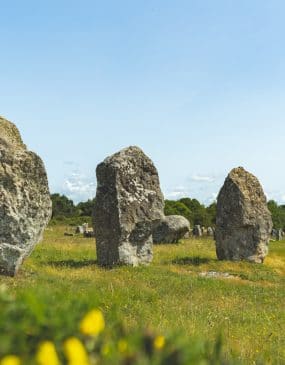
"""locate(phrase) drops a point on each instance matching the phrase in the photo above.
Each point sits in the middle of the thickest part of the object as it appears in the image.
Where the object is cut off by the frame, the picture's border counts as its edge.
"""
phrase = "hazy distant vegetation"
(278, 214)
(65, 211)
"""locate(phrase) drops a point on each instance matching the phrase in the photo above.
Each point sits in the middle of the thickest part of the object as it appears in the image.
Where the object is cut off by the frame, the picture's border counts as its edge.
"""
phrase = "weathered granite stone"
(25, 205)
(197, 231)
(171, 229)
(274, 234)
(280, 235)
(128, 204)
(210, 231)
(244, 222)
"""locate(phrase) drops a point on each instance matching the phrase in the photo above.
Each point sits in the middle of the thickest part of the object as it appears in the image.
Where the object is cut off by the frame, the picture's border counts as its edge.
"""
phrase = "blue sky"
(199, 85)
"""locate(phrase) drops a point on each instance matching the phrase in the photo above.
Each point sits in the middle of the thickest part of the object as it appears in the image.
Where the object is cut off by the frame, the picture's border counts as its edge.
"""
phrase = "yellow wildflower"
(10, 360)
(93, 323)
(159, 342)
(123, 346)
(75, 352)
(47, 355)
(105, 351)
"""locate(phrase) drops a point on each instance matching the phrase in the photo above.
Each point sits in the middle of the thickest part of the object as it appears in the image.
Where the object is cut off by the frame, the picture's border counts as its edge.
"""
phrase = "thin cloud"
(212, 198)
(277, 196)
(177, 192)
(79, 187)
(69, 163)
(200, 178)
(176, 195)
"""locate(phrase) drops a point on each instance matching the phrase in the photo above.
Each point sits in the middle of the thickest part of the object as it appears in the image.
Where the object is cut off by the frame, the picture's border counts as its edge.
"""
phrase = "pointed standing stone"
(25, 205)
(128, 204)
(243, 220)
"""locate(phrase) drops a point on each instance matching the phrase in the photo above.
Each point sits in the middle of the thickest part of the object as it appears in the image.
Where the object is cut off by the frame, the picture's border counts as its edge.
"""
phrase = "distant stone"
(79, 230)
(218, 275)
(89, 233)
(171, 229)
(25, 204)
(85, 227)
(197, 231)
(244, 222)
(129, 203)
(187, 235)
(210, 231)
(280, 235)
(274, 233)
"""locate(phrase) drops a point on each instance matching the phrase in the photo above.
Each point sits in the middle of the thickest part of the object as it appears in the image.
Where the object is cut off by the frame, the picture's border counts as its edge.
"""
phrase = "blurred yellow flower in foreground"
(105, 351)
(123, 346)
(159, 342)
(75, 352)
(10, 360)
(47, 355)
(93, 323)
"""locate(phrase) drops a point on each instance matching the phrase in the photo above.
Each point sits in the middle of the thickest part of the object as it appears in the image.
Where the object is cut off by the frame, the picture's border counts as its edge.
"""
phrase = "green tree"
(278, 214)
(198, 210)
(212, 214)
(62, 206)
(173, 207)
(86, 208)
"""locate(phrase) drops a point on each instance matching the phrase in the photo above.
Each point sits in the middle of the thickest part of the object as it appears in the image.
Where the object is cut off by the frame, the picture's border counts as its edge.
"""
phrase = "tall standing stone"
(128, 204)
(25, 205)
(197, 231)
(243, 220)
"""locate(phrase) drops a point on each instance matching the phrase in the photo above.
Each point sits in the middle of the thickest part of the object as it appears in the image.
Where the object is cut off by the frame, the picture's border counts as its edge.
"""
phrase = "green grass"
(61, 281)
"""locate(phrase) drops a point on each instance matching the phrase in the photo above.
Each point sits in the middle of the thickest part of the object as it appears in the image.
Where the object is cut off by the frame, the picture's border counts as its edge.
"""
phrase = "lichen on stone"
(244, 222)
(25, 205)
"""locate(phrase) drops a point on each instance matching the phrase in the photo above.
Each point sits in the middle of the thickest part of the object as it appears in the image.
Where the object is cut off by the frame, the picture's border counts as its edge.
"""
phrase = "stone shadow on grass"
(73, 264)
(191, 260)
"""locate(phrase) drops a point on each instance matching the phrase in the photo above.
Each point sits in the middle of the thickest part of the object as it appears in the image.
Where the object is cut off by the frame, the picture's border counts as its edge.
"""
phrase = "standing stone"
(25, 204)
(274, 233)
(79, 230)
(210, 231)
(280, 235)
(197, 231)
(171, 229)
(244, 222)
(129, 203)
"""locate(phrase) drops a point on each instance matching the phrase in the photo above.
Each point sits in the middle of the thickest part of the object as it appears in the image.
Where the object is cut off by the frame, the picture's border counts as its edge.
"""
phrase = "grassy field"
(173, 296)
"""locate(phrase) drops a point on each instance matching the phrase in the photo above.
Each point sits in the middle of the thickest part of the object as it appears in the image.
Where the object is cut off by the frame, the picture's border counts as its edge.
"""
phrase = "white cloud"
(278, 196)
(176, 195)
(69, 163)
(200, 178)
(177, 192)
(79, 187)
(212, 198)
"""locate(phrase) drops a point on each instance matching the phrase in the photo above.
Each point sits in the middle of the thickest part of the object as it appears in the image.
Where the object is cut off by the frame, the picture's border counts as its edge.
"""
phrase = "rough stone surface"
(128, 204)
(243, 220)
(210, 231)
(171, 229)
(279, 235)
(197, 231)
(25, 205)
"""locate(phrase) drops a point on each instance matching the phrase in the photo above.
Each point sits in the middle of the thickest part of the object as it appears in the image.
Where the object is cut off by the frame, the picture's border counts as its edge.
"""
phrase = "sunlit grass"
(169, 295)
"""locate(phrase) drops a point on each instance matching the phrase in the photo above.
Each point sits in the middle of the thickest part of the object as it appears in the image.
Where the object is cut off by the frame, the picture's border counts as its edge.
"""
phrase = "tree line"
(192, 209)
(65, 211)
